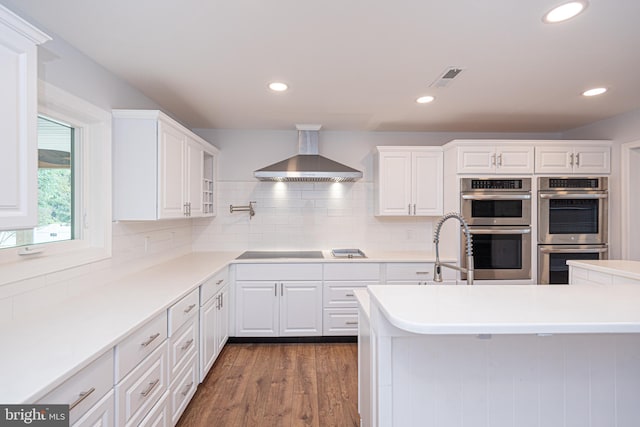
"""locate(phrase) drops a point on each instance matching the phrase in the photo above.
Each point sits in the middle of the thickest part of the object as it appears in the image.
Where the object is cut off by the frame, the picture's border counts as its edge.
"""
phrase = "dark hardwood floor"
(262, 385)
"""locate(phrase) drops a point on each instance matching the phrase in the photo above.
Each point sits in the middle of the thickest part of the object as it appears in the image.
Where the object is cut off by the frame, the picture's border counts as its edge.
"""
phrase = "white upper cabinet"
(483, 158)
(18, 121)
(409, 181)
(574, 157)
(161, 170)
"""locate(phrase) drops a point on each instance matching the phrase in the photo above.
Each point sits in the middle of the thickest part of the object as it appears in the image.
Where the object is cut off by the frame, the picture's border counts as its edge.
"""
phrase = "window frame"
(93, 187)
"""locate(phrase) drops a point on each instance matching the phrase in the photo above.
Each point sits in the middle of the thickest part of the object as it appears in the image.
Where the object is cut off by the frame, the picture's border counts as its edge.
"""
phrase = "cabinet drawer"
(601, 278)
(160, 414)
(352, 271)
(183, 345)
(212, 285)
(579, 273)
(183, 388)
(340, 294)
(142, 388)
(279, 271)
(183, 310)
(338, 321)
(140, 344)
(422, 271)
(102, 414)
(85, 388)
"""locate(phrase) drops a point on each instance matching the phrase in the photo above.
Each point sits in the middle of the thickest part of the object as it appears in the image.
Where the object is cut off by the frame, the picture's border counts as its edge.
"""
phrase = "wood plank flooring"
(279, 385)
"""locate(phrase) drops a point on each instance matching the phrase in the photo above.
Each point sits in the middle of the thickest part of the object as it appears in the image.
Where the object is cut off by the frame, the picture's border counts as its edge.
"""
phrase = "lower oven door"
(552, 260)
(499, 253)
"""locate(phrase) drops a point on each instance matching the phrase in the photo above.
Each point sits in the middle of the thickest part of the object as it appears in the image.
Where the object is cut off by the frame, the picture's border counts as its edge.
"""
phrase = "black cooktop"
(280, 254)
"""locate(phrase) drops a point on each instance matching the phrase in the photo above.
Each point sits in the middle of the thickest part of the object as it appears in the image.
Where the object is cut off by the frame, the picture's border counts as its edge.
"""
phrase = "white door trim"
(626, 195)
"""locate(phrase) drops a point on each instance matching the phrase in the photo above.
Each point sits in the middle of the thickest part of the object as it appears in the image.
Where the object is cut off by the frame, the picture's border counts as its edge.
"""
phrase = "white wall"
(65, 67)
(619, 129)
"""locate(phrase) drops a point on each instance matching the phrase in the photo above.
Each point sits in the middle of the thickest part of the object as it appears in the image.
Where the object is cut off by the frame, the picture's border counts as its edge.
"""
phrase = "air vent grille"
(446, 77)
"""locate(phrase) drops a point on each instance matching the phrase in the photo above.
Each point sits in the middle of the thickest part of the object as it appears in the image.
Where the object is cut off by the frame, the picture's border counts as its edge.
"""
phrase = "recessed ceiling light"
(425, 99)
(278, 86)
(594, 91)
(564, 11)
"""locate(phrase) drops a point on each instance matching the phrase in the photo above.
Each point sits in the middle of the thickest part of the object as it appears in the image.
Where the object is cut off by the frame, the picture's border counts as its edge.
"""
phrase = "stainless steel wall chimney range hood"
(308, 165)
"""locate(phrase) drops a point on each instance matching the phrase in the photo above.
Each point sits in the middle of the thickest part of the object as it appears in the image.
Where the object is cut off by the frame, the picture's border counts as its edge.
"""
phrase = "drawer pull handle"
(422, 272)
(150, 340)
(188, 309)
(187, 388)
(82, 396)
(151, 386)
(187, 345)
(219, 281)
(351, 323)
(348, 295)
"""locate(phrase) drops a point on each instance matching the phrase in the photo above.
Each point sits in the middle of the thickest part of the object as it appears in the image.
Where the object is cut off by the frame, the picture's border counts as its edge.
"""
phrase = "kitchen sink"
(348, 253)
(280, 254)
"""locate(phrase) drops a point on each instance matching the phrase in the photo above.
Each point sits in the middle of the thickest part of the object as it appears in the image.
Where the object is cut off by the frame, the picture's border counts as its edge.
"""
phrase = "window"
(56, 214)
(74, 200)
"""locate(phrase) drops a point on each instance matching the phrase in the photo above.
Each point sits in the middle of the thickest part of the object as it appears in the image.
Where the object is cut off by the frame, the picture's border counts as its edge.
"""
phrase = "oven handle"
(496, 197)
(572, 196)
(573, 251)
(500, 231)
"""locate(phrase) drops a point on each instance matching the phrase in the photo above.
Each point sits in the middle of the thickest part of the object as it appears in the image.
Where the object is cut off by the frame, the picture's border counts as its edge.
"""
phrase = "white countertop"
(40, 352)
(624, 268)
(498, 309)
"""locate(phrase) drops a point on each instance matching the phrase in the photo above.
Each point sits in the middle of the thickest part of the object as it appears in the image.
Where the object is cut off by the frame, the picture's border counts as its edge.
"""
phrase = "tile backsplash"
(136, 245)
(307, 216)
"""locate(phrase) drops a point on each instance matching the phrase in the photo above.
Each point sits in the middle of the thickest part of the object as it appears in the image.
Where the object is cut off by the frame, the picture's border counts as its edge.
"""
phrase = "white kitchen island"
(500, 356)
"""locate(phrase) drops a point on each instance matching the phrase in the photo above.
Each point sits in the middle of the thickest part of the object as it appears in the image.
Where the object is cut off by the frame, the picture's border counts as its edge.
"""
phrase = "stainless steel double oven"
(572, 224)
(499, 215)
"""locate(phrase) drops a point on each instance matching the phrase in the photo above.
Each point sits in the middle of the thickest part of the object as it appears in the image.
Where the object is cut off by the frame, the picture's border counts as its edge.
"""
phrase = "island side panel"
(505, 380)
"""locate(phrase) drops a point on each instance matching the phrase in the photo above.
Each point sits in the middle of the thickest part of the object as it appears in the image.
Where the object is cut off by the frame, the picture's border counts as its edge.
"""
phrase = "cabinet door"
(427, 183)
(257, 308)
(171, 171)
(592, 160)
(194, 179)
(476, 159)
(394, 183)
(222, 319)
(18, 123)
(102, 414)
(514, 159)
(300, 308)
(208, 346)
(554, 159)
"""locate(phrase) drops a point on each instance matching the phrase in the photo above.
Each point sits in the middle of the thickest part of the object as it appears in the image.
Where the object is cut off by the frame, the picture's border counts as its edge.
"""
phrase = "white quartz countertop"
(40, 352)
(624, 268)
(499, 309)
(43, 350)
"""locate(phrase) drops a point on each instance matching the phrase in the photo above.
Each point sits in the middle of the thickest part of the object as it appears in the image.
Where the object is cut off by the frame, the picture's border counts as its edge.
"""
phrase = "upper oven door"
(496, 208)
(572, 218)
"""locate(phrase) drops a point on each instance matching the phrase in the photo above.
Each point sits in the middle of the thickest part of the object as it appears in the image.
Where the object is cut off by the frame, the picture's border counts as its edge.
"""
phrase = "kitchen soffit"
(361, 65)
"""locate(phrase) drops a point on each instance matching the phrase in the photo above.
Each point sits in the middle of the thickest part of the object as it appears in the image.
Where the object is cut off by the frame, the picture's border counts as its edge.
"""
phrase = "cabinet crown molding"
(19, 25)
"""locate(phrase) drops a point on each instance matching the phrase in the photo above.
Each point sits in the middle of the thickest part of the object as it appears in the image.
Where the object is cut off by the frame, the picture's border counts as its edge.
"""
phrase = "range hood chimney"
(308, 165)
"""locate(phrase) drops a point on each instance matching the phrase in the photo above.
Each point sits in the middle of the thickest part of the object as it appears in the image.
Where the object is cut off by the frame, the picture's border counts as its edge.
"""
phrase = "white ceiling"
(360, 64)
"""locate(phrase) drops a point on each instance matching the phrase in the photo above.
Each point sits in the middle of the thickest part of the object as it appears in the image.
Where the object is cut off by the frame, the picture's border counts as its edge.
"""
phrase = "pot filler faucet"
(437, 273)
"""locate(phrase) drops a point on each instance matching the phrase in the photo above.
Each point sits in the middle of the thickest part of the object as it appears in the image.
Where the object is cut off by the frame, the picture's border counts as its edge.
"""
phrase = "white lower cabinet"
(102, 414)
(585, 276)
(84, 391)
(183, 388)
(278, 300)
(340, 308)
(142, 388)
(416, 273)
(160, 414)
(214, 329)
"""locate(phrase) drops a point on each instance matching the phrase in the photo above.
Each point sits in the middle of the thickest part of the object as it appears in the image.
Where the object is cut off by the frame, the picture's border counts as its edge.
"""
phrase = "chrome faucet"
(437, 273)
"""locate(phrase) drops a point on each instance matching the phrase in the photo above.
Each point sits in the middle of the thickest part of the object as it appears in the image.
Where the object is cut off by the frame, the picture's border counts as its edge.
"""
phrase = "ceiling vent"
(446, 77)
